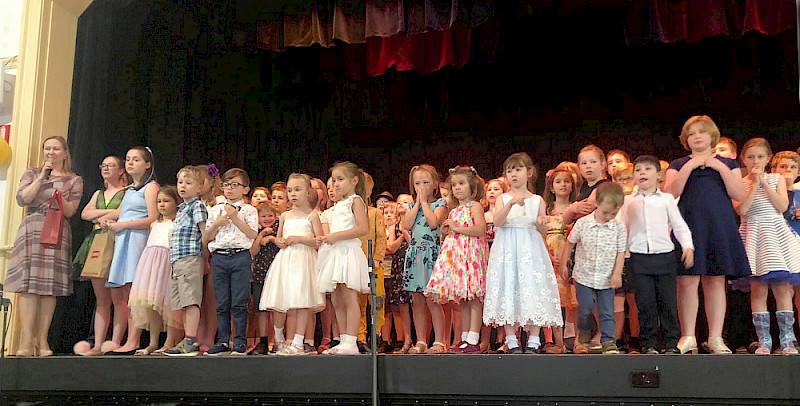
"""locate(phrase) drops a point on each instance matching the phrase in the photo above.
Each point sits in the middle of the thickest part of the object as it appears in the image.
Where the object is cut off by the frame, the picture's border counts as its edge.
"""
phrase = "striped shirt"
(186, 239)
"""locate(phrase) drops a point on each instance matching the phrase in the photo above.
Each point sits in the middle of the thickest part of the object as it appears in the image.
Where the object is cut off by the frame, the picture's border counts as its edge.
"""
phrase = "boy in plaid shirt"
(186, 256)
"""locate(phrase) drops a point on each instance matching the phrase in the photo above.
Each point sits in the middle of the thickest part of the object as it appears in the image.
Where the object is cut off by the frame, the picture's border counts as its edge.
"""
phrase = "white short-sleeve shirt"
(596, 251)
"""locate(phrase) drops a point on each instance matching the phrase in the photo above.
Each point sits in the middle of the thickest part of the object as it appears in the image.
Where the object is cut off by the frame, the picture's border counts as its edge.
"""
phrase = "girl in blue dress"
(706, 184)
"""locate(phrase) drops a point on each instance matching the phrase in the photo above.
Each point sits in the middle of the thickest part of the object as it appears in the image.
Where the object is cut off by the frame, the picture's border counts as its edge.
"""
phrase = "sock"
(473, 337)
(191, 340)
(264, 340)
(297, 341)
(534, 342)
(511, 341)
(761, 323)
(786, 324)
(348, 341)
(309, 341)
(464, 335)
(337, 338)
(569, 330)
(278, 335)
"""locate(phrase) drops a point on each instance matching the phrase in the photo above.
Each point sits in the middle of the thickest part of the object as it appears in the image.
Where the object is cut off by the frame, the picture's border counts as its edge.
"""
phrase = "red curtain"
(424, 53)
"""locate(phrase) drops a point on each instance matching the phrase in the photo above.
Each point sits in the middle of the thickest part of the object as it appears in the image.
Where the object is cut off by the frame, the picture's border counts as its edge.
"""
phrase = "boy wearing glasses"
(230, 231)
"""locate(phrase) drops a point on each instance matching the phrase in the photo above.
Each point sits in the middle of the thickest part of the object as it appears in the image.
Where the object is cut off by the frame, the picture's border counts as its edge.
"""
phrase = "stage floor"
(413, 380)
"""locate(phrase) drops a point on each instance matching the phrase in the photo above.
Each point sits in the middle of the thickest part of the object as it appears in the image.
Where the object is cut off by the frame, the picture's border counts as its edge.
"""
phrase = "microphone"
(49, 171)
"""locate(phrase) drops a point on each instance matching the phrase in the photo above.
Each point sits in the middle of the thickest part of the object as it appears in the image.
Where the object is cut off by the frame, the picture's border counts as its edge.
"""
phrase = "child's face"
(332, 193)
(135, 163)
(389, 217)
(614, 160)
(234, 189)
(698, 138)
(167, 206)
(591, 166)
(756, 157)
(646, 176)
(402, 203)
(562, 185)
(624, 178)
(788, 169)
(110, 169)
(259, 196)
(266, 218)
(517, 176)
(493, 190)
(605, 212)
(298, 192)
(662, 179)
(460, 187)
(343, 184)
(422, 179)
(381, 202)
(724, 150)
(189, 187)
(444, 192)
(280, 200)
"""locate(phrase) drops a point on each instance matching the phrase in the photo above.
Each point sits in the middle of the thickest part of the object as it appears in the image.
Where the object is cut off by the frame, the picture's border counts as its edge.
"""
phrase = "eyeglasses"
(107, 166)
(232, 185)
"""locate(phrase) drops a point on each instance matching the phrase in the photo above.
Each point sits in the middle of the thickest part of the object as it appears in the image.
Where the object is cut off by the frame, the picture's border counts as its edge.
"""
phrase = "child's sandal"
(420, 348)
(437, 348)
(406, 348)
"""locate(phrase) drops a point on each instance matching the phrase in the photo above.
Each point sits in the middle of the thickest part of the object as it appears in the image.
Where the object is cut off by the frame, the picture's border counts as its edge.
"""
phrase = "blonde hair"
(476, 184)
(352, 170)
(524, 160)
(430, 170)
(267, 207)
(627, 166)
(312, 194)
(67, 164)
(708, 126)
(593, 148)
(209, 198)
(790, 155)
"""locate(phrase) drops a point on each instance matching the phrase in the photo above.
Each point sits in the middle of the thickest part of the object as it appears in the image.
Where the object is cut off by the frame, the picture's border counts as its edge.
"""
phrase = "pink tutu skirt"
(150, 289)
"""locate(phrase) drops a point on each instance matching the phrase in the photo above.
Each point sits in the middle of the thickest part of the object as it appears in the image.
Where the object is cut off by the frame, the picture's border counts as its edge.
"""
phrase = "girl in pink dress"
(459, 274)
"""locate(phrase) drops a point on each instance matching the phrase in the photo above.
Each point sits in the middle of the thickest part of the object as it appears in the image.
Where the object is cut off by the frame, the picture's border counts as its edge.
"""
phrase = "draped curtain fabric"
(670, 21)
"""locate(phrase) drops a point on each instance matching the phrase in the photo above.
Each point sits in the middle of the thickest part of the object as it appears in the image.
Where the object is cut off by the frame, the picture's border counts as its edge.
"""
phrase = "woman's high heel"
(688, 344)
(717, 346)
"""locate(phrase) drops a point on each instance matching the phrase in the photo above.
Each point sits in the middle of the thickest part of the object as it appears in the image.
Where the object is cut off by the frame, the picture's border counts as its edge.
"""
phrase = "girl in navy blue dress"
(706, 184)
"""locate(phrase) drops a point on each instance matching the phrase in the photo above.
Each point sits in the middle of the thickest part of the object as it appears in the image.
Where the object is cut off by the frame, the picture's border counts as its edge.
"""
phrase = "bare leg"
(437, 317)
(783, 296)
(420, 317)
(340, 308)
(688, 303)
(714, 294)
(134, 334)
(119, 297)
(28, 308)
(326, 321)
(102, 314)
(350, 299)
(633, 314)
(405, 317)
(47, 306)
(191, 320)
(155, 324)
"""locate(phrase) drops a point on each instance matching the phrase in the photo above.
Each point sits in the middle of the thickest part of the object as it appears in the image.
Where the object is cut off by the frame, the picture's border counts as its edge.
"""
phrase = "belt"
(229, 251)
(37, 209)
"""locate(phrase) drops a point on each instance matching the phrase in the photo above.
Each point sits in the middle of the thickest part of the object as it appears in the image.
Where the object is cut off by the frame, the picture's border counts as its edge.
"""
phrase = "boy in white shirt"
(648, 216)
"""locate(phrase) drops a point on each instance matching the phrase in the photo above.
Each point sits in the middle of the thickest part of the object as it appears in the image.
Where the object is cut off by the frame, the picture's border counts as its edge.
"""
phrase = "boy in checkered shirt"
(186, 256)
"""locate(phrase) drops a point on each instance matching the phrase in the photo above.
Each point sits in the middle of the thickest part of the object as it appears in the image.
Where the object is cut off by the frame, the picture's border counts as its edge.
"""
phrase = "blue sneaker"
(219, 349)
(238, 349)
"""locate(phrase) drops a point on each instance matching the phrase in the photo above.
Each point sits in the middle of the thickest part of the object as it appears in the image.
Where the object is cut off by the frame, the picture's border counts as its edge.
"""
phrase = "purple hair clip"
(213, 171)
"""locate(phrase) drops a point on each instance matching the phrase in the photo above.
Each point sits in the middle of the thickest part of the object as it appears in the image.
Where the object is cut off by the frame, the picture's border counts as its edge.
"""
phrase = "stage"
(410, 380)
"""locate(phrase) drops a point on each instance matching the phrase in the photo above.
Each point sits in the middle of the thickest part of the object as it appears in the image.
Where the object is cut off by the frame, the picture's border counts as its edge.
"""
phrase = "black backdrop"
(166, 74)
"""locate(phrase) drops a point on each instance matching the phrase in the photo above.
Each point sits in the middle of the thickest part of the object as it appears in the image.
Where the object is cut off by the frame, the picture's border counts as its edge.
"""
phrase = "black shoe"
(635, 346)
(621, 347)
(117, 353)
(385, 348)
(673, 350)
(333, 343)
(362, 347)
(260, 349)
(515, 351)
(531, 350)
(654, 351)
(219, 349)
(239, 349)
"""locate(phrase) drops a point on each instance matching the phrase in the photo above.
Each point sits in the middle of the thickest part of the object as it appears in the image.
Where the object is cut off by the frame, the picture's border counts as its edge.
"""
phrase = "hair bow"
(213, 171)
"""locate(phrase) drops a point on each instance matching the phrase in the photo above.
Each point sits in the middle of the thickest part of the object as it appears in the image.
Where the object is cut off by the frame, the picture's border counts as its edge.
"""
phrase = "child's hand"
(231, 210)
(688, 258)
(695, 163)
(564, 272)
(714, 164)
(583, 207)
(222, 221)
(327, 239)
(291, 240)
(541, 221)
(797, 213)
(444, 230)
(556, 260)
(115, 227)
(281, 243)
(616, 281)
(517, 200)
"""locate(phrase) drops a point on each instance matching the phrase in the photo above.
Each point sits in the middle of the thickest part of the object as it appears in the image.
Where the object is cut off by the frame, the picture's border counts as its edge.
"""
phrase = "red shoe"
(458, 349)
(471, 349)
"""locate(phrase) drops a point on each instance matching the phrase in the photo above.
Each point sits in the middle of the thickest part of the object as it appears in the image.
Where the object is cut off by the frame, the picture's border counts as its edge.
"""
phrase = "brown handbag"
(53, 221)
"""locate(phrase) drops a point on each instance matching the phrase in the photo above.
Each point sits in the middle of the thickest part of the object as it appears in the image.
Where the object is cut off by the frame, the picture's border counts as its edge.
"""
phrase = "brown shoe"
(580, 348)
(556, 349)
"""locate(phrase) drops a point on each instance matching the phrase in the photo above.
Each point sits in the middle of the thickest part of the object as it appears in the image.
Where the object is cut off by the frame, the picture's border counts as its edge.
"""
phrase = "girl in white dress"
(290, 289)
(342, 264)
(521, 289)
